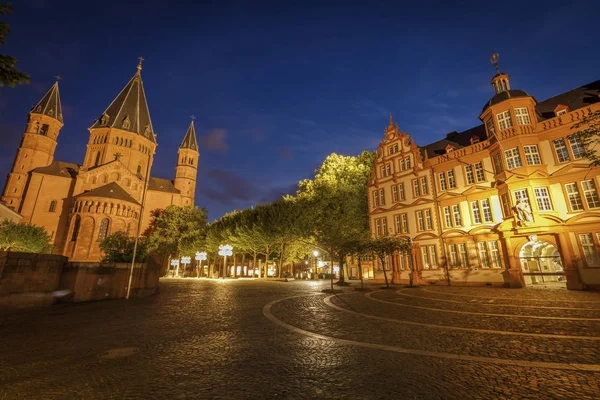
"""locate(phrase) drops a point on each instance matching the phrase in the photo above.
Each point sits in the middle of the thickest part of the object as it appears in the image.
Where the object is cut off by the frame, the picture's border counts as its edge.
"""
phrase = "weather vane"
(58, 78)
(139, 67)
(494, 60)
(193, 117)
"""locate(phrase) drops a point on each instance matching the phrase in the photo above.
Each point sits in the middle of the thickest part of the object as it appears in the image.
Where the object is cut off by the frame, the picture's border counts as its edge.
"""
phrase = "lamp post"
(201, 256)
(185, 261)
(316, 254)
(225, 250)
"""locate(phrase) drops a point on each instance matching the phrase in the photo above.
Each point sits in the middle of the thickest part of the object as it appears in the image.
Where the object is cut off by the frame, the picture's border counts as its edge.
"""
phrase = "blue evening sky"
(278, 85)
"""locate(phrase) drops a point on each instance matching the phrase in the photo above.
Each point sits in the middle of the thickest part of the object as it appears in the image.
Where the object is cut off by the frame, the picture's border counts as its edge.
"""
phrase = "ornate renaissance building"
(80, 204)
(511, 202)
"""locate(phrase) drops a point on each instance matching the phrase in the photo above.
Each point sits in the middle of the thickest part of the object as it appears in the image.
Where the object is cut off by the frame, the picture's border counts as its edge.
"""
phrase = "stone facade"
(80, 204)
(511, 202)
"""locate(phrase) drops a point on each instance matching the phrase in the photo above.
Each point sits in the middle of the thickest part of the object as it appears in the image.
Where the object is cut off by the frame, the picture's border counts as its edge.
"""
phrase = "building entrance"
(542, 264)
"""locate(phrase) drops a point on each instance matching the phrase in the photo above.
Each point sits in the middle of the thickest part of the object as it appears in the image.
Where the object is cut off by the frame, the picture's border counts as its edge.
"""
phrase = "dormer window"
(504, 120)
(522, 116)
(561, 112)
(475, 139)
(449, 148)
(489, 124)
(561, 109)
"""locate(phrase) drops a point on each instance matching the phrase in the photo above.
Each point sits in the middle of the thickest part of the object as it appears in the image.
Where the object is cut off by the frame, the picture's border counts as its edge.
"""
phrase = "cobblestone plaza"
(250, 339)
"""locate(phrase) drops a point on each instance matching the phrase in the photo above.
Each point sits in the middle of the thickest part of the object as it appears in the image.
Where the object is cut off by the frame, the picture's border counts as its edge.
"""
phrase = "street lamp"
(185, 261)
(200, 256)
(316, 254)
(175, 263)
(225, 250)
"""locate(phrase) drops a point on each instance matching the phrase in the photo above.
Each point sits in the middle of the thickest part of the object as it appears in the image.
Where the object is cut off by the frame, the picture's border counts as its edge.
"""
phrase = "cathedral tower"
(37, 145)
(187, 166)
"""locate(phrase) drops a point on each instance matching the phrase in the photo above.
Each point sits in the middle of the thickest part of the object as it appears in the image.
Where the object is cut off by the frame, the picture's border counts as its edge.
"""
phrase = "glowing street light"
(200, 256)
(316, 254)
(225, 250)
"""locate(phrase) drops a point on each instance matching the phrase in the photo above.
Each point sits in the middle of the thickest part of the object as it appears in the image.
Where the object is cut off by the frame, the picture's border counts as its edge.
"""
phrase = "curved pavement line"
(495, 304)
(449, 356)
(511, 298)
(329, 303)
(369, 295)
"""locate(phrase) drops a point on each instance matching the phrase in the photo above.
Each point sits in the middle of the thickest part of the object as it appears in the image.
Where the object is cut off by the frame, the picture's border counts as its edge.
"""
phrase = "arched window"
(52, 207)
(76, 228)
(103, 230)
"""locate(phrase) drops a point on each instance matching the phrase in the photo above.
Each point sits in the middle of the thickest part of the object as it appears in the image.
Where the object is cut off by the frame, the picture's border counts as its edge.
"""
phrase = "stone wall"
(29, 280)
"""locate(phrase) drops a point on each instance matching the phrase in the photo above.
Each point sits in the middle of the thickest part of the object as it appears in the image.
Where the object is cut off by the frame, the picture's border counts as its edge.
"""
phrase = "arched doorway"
(541, 263)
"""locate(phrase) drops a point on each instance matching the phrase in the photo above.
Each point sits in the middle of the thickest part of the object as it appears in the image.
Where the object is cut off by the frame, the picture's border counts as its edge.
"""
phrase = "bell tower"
(37, 145)
(187, 166)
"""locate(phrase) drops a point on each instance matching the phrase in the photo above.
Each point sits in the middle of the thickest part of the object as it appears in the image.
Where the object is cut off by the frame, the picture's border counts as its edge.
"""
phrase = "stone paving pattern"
(210, 340)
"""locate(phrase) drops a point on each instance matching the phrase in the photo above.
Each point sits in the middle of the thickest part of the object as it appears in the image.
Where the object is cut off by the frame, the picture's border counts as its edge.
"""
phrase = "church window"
(504, 120)
(103, 230)
(44, 130)
(76, 225)
(52, 207)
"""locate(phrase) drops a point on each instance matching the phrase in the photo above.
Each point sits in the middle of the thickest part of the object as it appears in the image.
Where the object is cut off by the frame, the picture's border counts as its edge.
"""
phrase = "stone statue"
(524, 211)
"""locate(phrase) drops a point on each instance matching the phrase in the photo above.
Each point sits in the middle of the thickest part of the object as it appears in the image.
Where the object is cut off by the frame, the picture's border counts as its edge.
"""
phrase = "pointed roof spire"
(129, 110)
(189, 141)
(50, 103)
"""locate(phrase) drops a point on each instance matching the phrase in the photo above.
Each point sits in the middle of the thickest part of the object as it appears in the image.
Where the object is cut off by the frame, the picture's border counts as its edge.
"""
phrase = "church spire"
(50, 103)
(129, 110)
(189, 141)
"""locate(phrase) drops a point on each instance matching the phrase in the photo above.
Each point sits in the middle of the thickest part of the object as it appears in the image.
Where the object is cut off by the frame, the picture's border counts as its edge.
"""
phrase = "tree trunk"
(254, 265)
(281, 259)
(387, 284)
(244, 262)
(361, 274)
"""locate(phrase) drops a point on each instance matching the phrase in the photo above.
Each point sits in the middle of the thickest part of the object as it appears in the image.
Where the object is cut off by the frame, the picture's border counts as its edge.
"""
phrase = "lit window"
(521, 194)
(522, 116)
(384, 223)
(513, 158)
(490, 127)
(433, 257)
(388, 169)
(483, 254)
(421, 222)
(394, 193)
(590, 193)
(404, 223)
(495, 253)
(561, 112)
(376, 197)
(378, 224)
(456, 213)
(407, 162)
(576, 147)
(574, 196)
(428, 221)
(532, 155)
(443, 185)
(451, 180)
(416, 188)
(397, 223)
(425, 257)
(103, 230)
(469, 174)
(383, 171)
(424, 185)
(402, 164)
(590, 251)
(448, 217)
(382, 196)
(464, 255)
(543, 199)
(476, 212)
(487, 211)
(453, 256)
(561, 150)
(504, 120)
(479, 172)
(52, 207)
(402, 194)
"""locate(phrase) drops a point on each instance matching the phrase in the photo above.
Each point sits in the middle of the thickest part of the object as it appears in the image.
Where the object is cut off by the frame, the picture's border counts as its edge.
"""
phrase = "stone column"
(570, 262)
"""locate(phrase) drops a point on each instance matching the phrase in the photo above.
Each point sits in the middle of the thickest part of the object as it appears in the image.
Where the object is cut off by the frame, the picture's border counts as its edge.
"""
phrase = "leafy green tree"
(588, 130)
(25, 238)
(9, 75)
(387, 245)
(118, 247)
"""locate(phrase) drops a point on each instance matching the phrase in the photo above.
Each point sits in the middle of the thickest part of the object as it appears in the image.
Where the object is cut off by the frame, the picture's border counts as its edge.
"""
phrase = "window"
(456, 213)
(407, 162)
(532, 155)
(576, 147)
(487, 211)
(388, 169)
(590, 193)
(504, 120)
(52, 207)
(139, 170)
(416, 188)
(44, 130)
(506, 207)
(382, 196)
(483, 254)
(394, 194)
(376, 197)
(490, 127)
(464, 256)
(453, 256)
(378, 225)
(402, 164)
(448, 217)
(451, 180)
(424, 185)
(401, 189)
(397, 223)
(383, 171)
(384, 224)
(592, 259)
(420, 221)
(498, 166)
(433, 256)
(574, 196)
(76, 225)
(513, 158)
(479, 172)
(476, 212)
(425, 257)
(103, 230)
(561, 112)
(404, 223)
(97, 160)
(443, 185)
(469, 174)
(521, 194)
(495, 253)
(522, 116)
(543, 199)
(561, 150)
(428, 221)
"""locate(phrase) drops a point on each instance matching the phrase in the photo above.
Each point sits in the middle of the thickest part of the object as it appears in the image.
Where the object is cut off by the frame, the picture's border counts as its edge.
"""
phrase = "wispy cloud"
(215, 141)
(370, 109)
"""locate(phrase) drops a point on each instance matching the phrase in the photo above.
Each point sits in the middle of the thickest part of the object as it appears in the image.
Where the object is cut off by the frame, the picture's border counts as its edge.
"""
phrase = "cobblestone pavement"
(250, 339)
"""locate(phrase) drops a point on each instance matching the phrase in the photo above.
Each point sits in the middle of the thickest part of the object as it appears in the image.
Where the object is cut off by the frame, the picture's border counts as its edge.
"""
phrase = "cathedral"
(112, 190)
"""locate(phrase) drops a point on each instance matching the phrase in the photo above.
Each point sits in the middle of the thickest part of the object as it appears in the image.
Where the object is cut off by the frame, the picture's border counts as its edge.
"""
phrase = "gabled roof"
(129, 110)
(162, 185)
(59, 168)
(50, 104)
(189, 141)
(456, 139)
(577, 98)
(110, 191)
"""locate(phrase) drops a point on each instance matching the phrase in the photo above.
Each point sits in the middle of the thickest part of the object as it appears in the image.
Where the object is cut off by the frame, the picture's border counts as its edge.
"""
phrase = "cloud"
(370, 109)
(215, 141)
(286, 153)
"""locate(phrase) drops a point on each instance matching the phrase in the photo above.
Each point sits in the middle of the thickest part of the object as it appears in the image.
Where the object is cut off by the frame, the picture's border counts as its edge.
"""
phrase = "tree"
(9, 75)
(25, 238)
(118, 247)
(387, 245)
(589, 133)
